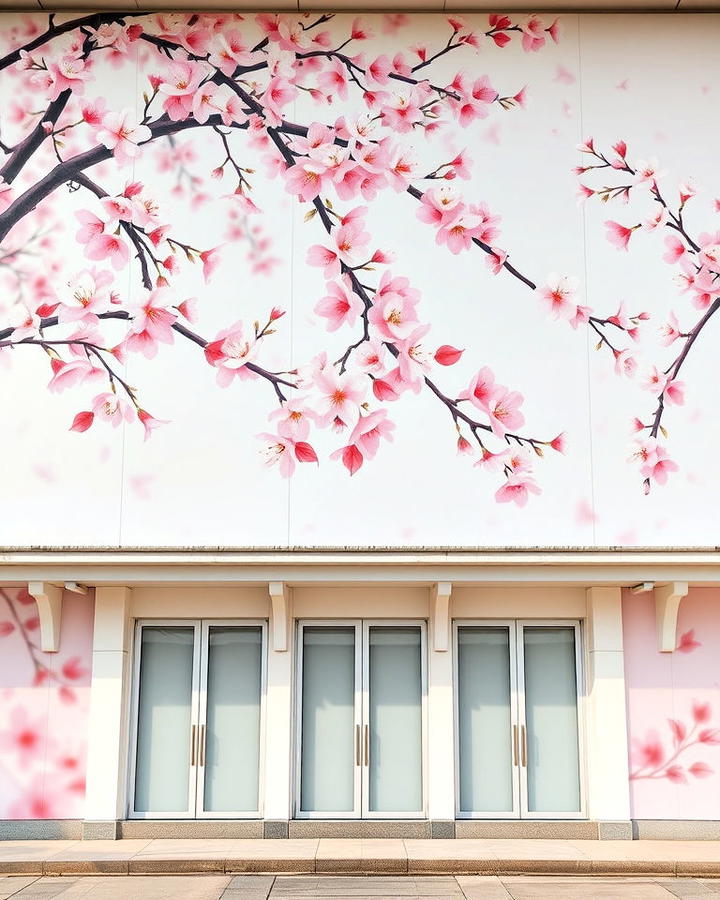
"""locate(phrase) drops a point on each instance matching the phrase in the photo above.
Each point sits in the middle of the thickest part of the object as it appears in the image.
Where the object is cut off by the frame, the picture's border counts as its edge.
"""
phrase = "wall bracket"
(667, 604)
(440, 615)
(280, 620)
(49, 603)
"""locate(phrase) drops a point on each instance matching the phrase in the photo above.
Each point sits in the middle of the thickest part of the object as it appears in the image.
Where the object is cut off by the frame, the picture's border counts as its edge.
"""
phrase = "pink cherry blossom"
(23, 737)
(278, 94)
(581, 317)
(325, 258)
(654, 380)
(625, 363)
(121, 134)
(152, 323)
(230, 51)
(393, 312)
(339, 397)
(91, 226)
(108, 246)
(112, 409)
(334, 79)
(517, 489)
(670, 331)
(294, 418)
(230, 352)
(306, 179)
(179, 85)
(675, 249)
(413, 359)
(277, 451)
(710, 250)
(482, 389)
(69, 374)
(659, 466)
(439, 206)
(674, 393)
(504, 411)
(69, 73)
(647, 171)
(341, 306)
(533, 34)
(656, 220)
(402, 112)
(149, 423)
(85, 296)
(619, 235)
(496, 259)
(557, 296)
(210, 260)
(369, 430)
(654, 461)
(370, 357)
(26, 323)
(460, 233)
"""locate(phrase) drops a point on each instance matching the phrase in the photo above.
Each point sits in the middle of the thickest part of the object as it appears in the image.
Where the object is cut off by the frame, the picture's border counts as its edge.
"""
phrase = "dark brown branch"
(25, 149)
(677, 365)
(93, 21)
(73, 167)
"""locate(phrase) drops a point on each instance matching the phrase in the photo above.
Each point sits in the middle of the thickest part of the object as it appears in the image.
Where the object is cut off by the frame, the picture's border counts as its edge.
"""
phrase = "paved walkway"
(687, 859)
(329, 887)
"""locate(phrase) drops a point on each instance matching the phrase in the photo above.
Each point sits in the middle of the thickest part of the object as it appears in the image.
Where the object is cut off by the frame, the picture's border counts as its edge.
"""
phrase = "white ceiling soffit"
(615, 6)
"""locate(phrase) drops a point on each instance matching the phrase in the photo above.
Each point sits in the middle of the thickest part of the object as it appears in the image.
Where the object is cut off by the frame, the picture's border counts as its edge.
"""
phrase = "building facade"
(359, 381)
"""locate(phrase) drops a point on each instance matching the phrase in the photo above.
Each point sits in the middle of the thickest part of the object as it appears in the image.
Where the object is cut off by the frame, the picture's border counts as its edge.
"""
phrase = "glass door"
(329, 727)
(167, 666)
(393, 690)
(517, 711)
(360, 727)
(198, 719)
(548, 675)
(229, 738)
(487, 733)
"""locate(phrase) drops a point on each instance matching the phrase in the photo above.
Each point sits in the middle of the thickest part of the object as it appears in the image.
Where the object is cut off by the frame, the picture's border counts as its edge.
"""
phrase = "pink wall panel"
(44, 701)
(674, 709)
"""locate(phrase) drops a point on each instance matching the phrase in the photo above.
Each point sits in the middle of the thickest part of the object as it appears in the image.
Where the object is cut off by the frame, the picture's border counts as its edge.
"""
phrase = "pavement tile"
(686, 887)
(179, 887)
(11, 884)
(252, 887)
(374, 887)
(575, 890)
(482, 887)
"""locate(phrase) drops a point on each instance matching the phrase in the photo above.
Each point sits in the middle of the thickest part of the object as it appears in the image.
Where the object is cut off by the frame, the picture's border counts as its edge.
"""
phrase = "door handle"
(515, 745)
(358, 750)
(192, 745)
(202, 745)
(523, 745)
(367, 745)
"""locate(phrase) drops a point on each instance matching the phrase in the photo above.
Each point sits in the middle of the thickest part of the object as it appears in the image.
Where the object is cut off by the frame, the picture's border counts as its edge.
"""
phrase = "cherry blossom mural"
(43, 709)
(266, 251)
(673, 709)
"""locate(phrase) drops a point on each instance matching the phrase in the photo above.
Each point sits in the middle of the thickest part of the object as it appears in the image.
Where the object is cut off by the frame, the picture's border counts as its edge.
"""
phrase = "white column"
(441, 726)
(607, 750)
(279, 721)
(107, 726)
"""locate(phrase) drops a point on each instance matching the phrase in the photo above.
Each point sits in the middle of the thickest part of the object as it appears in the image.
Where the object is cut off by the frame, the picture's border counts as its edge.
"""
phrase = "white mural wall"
(389, 280)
